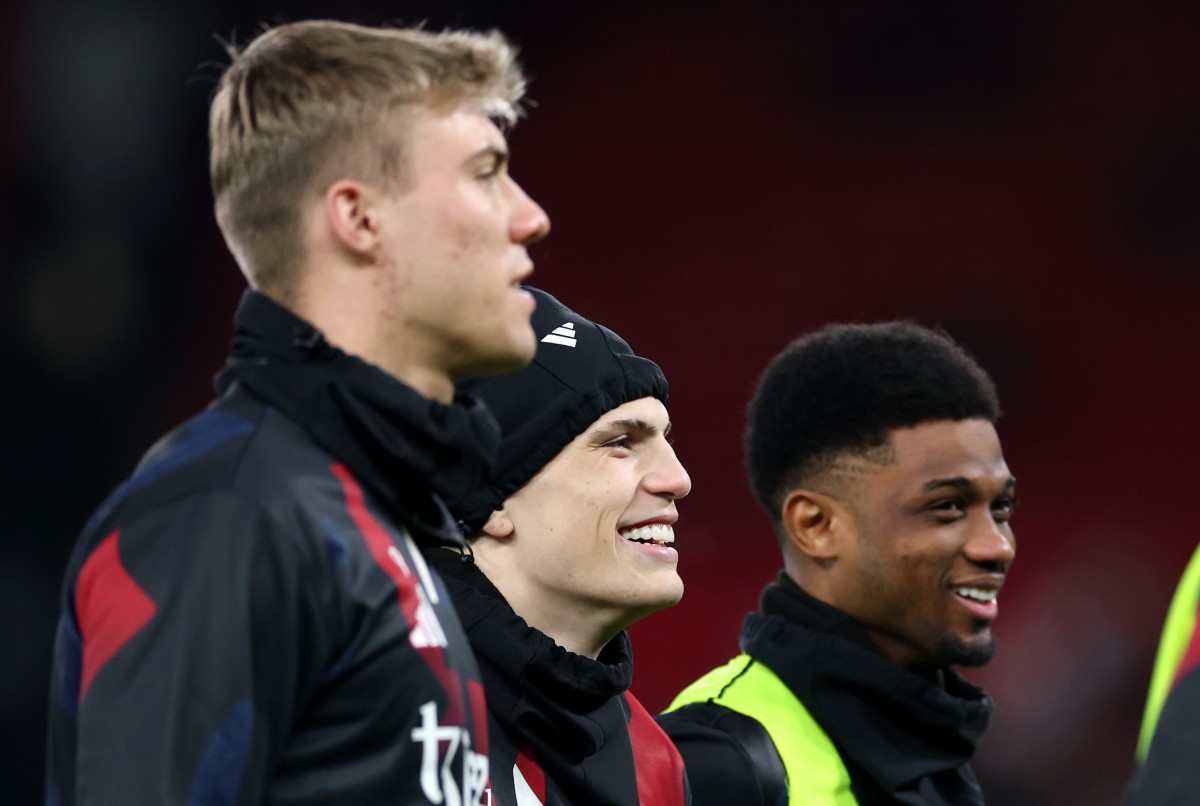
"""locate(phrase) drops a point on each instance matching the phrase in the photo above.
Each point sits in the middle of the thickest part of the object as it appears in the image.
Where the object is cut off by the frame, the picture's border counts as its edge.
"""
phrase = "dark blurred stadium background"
(721, 176)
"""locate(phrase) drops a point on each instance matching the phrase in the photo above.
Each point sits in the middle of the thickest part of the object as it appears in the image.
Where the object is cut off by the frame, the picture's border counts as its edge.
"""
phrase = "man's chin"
(669, 593)
(975, 651)
(498, 363)
(636, 611)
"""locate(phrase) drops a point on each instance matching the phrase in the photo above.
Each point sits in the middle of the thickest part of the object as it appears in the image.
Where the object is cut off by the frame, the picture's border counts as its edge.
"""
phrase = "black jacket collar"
(905, 739)
(542, 692)
(408, 449)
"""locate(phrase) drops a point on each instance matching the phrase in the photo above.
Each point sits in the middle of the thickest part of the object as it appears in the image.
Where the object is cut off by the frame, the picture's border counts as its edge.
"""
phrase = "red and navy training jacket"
(243, 622)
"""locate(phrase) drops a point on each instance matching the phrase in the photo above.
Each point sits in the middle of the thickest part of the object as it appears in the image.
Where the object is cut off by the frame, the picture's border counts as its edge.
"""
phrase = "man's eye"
(492, 170)
(949, 506)
(1003, 508)
(622, 441)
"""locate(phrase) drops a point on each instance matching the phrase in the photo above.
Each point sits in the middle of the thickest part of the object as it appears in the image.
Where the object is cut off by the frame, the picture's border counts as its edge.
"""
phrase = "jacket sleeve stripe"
(423, 632)
(111, 608)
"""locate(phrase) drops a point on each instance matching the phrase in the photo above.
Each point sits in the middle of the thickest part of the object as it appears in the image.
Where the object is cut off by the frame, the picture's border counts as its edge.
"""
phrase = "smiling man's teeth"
(654, 533)
(978, 594)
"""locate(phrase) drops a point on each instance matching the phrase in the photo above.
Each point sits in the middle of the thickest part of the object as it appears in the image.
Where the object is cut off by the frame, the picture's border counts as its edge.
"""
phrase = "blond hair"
(308, 103)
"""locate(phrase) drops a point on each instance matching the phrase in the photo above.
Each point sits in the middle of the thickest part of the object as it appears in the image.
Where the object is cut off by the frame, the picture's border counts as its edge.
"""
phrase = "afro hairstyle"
(844, 389)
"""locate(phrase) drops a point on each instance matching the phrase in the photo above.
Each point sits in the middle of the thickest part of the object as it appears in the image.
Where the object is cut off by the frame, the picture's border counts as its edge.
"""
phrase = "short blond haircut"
(308, 103)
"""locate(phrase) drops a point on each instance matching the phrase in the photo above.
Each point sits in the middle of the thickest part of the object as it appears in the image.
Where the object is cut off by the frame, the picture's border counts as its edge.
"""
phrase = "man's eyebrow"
(649, 429)
(959, 483)
(496, 152)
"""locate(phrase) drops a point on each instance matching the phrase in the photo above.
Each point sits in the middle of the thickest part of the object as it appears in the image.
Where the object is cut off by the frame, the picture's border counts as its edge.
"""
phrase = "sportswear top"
(1168, 772)
(903, 738)
(248, 620)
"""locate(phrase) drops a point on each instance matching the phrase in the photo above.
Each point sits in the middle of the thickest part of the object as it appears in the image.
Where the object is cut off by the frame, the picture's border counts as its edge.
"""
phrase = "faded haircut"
(308, 103)
(840, 391)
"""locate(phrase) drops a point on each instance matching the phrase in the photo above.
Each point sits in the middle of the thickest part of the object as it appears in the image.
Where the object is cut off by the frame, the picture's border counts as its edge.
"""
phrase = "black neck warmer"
(905, 739)
(398, 443)
(548, 696)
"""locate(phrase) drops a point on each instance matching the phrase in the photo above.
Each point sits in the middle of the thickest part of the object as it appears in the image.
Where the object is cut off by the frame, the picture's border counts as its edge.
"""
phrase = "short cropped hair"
(843, 390)
(308, 103)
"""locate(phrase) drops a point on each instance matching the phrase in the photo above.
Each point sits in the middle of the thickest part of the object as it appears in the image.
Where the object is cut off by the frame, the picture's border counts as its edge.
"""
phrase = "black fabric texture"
(547, 404)
(398, 442)
(904, 738)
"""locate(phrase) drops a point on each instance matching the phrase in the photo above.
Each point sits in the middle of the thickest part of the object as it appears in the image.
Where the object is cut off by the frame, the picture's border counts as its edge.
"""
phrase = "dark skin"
(912, 540)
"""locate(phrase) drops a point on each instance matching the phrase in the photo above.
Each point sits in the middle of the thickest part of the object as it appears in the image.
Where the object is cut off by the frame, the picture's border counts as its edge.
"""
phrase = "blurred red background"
(721, 177)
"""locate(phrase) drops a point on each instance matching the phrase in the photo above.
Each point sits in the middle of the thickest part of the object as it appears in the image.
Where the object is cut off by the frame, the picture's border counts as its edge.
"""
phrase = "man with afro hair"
(873, 448)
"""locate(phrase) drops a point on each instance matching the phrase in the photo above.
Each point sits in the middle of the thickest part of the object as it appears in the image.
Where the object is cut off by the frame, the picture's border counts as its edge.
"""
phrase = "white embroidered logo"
(437, 780)
(564, 335)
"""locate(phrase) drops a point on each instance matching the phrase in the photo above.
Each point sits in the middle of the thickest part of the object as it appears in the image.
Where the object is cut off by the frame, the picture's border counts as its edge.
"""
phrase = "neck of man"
(579, 627)
(352, 319)
(898, 652)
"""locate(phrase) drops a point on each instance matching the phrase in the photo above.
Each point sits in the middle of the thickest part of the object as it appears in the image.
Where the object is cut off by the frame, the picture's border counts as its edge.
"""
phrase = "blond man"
(248, 619)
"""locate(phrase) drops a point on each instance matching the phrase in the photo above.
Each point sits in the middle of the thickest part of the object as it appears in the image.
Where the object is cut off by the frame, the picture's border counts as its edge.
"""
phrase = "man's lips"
(523, 274)
(979, 595)
(656, 532)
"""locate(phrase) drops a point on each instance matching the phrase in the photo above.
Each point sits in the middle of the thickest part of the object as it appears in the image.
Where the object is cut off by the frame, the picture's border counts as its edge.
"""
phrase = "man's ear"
(352, 210)
(813, 523)
(498, 526)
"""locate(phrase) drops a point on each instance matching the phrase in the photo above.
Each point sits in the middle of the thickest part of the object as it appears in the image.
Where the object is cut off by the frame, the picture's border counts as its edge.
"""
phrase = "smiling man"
(248, 619)
(570, 544)
(873, 448)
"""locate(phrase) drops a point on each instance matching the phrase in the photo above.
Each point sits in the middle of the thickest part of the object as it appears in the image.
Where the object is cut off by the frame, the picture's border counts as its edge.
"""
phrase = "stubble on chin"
(977, 651)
